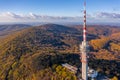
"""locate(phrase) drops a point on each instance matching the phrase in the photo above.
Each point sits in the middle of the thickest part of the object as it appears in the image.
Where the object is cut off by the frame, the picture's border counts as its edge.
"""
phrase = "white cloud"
(108, 15)
(12, 17)
(31, 17)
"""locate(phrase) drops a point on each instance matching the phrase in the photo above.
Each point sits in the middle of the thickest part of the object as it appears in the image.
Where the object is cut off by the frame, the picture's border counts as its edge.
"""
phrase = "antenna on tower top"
(84, 3)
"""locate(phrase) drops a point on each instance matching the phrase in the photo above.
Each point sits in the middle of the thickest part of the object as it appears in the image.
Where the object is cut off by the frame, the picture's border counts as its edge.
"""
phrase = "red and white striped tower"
(84, 25)
(83, 48)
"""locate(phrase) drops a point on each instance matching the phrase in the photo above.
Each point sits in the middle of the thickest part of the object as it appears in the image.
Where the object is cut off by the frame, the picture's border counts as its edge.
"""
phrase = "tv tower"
(84, 48)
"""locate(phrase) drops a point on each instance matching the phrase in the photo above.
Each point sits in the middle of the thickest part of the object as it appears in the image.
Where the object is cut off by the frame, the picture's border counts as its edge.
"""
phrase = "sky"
(98, 11)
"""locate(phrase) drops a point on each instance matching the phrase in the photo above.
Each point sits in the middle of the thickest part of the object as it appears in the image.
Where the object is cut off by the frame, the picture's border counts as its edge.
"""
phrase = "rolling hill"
(21, 46)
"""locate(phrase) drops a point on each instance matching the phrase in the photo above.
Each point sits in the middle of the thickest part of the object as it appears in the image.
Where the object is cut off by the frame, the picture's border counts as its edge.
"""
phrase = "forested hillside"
(37, 53)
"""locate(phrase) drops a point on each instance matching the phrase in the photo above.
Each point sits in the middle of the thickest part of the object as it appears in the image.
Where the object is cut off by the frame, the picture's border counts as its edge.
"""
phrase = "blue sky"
(16, 10)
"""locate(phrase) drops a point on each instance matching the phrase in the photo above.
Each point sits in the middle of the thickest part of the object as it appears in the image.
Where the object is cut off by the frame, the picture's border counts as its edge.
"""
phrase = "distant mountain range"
(8, 29)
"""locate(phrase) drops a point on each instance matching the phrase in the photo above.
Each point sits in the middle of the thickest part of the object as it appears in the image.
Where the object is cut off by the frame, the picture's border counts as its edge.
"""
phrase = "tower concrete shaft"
(84, 61)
